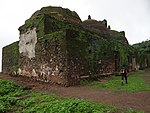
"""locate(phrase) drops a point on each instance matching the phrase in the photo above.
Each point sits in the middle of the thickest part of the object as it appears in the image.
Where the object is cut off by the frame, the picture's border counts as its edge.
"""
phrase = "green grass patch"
(135, 83)
(9, 91)
(44, 103)
(15, 98)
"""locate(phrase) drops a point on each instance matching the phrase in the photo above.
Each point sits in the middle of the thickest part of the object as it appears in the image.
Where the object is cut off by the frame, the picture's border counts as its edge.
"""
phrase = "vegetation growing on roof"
(59, 13)
(52, 18)
(119, 36)
(36, 22)
(143, 46)
(46, 24)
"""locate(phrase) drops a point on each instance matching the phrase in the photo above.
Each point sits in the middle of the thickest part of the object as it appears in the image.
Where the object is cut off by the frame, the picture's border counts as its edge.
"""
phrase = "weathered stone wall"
(143, 53)
(76, 63)
(50, 61)
(56, 47)
(86, 57)
(10, 58)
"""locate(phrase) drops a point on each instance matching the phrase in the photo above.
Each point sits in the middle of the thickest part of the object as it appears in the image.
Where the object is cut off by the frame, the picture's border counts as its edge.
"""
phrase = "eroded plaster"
(27, 43)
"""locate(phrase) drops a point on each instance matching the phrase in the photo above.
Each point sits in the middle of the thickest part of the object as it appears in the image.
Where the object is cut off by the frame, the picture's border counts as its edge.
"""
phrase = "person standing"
(124, 74)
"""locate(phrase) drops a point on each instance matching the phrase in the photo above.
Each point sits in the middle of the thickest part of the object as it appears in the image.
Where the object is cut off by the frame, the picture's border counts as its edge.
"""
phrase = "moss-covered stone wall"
(51, 19)
(64, 49)
(10, 58)
(90, 54)
(143, 53)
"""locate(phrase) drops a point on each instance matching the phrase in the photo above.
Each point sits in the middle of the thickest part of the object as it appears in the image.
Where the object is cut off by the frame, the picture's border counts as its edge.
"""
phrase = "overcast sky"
(132, 16)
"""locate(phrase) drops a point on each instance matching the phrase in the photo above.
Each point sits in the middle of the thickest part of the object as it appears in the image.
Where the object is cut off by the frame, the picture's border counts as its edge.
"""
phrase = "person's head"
(123, 66)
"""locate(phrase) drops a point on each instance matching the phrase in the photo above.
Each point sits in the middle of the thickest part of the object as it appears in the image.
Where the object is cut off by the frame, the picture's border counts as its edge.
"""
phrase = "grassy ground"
(9, 91)
(135, 83)
(42, 103)
(15, 98)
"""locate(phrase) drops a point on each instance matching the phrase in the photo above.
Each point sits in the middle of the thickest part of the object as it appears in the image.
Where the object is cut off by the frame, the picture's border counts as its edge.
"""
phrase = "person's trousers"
(124, 77)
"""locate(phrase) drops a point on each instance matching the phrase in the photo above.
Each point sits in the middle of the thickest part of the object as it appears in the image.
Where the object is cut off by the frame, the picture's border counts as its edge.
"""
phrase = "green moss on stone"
(10, 58)
(46, 24)
(143, 52)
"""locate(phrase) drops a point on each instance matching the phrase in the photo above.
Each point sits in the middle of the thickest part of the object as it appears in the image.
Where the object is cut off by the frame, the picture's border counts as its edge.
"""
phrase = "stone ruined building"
(55, 46)
(144, 58)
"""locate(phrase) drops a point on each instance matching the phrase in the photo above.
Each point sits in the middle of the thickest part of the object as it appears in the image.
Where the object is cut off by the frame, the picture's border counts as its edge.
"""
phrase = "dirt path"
(124, 100)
